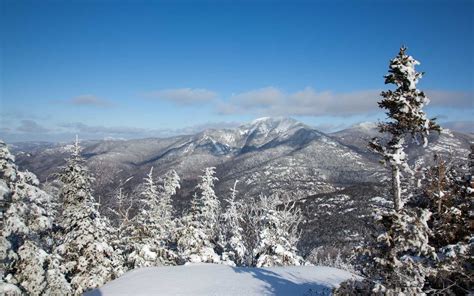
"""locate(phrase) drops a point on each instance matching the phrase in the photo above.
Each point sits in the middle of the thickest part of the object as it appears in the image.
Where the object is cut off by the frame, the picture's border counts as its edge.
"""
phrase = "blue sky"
(156, 68)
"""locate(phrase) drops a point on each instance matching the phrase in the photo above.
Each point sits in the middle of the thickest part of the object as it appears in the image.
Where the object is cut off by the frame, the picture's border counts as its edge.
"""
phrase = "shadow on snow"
(279, 286)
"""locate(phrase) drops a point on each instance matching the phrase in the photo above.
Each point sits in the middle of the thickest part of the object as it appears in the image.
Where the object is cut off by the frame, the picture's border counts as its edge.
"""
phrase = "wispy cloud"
(183, 96)
(452, 99)
(307, 102)
(31, 126)
(79, 127)
(272, 101)
(134, 132)
(90, 100)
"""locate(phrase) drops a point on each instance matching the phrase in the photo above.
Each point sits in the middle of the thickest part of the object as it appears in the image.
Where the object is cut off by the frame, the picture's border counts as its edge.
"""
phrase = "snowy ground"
(215, 279)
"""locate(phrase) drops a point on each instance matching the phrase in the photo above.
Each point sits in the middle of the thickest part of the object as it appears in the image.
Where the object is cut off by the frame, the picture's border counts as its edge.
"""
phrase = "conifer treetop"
(405, 104)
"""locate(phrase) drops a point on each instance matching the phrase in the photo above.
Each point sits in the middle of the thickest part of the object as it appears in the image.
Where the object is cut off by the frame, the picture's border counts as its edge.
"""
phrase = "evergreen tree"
(251, 213)
(151, 227)
(169, 187)
(406, 117)
(27, 221)
(397, 261)
(445, 193)
(57, 282)
(278, 234)
(146, 227)
(231, 233)
(208, 203)
(123, 218)
(197, 235)
(88, 257)
(403, 247)
(448, 194)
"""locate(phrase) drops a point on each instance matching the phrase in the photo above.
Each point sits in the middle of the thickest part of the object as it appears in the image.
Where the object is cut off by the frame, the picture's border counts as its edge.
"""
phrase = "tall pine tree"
(168, 188)
(278, 234)
(198, 233)
(404, 108)
(27, 221)
(150, 230)
(88, 257)
(231, 233)
(396, 261)
(403, 245)
(448, 194)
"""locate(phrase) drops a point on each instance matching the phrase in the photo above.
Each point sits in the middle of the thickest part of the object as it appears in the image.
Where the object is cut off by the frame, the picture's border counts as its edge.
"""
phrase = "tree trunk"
(396, 187)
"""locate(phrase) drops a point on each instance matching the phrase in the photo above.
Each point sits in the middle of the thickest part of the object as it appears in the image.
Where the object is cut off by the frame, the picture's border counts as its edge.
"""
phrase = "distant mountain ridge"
(268, 156)
(262, 154)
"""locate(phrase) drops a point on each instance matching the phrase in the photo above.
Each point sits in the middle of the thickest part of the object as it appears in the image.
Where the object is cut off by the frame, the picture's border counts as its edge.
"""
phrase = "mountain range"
(334, 177)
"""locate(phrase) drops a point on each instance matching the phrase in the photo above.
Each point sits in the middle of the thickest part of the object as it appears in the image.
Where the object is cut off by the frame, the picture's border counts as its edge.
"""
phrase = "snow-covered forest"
(55, 241)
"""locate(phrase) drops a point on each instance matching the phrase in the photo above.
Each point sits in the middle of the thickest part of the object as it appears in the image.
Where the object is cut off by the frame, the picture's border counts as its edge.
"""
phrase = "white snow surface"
(218, 279)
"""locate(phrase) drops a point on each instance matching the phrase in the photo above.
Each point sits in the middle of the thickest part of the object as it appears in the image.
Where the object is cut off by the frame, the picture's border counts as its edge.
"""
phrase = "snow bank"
(215, 279)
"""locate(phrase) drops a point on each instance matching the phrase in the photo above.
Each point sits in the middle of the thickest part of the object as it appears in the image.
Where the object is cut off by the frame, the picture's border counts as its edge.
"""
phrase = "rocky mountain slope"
(267, 156)
(332, 176)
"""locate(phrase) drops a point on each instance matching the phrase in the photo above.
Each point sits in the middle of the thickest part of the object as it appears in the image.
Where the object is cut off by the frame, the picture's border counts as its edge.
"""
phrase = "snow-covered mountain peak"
(267, 125)
(261, 119)
(253, 135)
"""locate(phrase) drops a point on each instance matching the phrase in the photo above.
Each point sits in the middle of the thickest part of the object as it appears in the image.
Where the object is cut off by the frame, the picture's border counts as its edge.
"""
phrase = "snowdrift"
(216, 279)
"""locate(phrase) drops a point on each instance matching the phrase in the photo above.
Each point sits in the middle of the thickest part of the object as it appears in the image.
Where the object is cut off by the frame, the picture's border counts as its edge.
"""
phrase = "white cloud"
(271, 101)
(183, 96)
(99, 131)
(89, 100)
(307, 102)
(31, 126)
(453, 99)
(90, 129)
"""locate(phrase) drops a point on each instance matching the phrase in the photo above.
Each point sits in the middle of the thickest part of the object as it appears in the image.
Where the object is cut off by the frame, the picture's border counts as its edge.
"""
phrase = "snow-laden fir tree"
(397, 258)
(57, 282)
(168, 188)
(88, 257)
(122, 213)
(447, 193)
(208, 203)
(27, 221)
(278, 234)
(231, 236)
(404, 108)
(251, 213)
(151, 228)
(145, 228)
(198, 232)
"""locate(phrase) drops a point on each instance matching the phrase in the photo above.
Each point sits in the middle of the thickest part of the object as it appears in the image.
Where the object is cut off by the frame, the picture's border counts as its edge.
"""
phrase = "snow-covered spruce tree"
(396, 262)
(399, 260)
(231, 236)
(88, 257)
(197, 235)
(278, 234)
(27, 220)
(251, 212)
(449, 196)
(168, 188)
(122, 212)
(208, 203)
(151, 227)
(404, 108)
